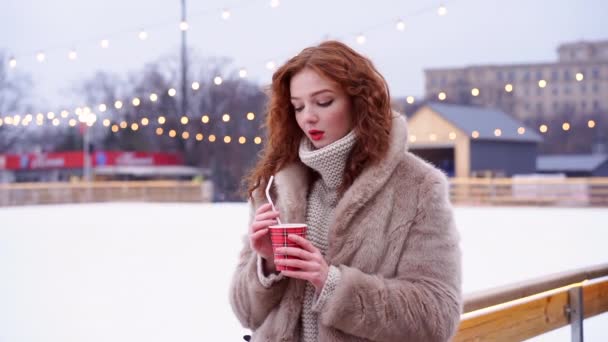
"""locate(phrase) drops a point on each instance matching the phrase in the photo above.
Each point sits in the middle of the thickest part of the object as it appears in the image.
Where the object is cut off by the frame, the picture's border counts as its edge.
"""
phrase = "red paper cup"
(278, 236)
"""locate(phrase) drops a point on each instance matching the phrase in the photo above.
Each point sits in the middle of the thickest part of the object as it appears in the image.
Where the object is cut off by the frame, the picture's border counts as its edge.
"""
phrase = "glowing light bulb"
(442, 10)
(400, 26)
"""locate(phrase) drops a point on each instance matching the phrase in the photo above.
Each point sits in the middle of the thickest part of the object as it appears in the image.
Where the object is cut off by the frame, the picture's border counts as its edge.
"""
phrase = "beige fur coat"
(393, 238)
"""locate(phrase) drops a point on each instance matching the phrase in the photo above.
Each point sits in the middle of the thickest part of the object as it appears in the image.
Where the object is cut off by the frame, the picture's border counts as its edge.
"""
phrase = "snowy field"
(160, 272)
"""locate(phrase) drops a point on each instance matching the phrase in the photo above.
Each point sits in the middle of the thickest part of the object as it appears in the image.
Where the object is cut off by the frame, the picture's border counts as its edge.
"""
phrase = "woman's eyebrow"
(315, 93)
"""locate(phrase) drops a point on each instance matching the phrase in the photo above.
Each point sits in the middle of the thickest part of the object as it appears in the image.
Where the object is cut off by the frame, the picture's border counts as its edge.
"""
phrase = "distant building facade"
(576, 84)
(467, 141)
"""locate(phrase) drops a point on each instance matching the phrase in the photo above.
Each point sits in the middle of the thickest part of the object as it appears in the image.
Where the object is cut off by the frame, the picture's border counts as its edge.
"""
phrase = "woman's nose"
(310, 115)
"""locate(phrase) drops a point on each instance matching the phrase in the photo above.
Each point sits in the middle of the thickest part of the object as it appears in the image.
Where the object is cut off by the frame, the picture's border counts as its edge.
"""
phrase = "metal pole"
(576, 313)
(184, 104)
(87, 158)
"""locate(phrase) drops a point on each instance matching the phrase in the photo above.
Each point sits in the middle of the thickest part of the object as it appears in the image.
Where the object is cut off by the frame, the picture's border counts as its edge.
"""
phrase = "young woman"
(381, 261)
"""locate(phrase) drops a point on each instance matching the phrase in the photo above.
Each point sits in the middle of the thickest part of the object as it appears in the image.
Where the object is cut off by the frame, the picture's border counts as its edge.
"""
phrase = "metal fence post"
(575, 312)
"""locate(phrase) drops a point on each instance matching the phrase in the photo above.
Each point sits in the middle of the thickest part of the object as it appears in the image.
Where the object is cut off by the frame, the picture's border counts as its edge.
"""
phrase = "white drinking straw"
(268, 196)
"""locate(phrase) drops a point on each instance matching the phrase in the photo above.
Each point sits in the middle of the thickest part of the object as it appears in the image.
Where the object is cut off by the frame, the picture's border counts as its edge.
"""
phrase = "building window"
(583, 88)
(526, 76)
(539, 91)
(555, 91)
(527, 91)
(443, 81)
(539, 107)
(595, 73)
(555, 105)
(433, 81)
(596, 105)
(584, 105)
(511, 76)
(499, 75)
(554, 75)
(566, 75)
(596, 87)
(566, 90)
(539, 75)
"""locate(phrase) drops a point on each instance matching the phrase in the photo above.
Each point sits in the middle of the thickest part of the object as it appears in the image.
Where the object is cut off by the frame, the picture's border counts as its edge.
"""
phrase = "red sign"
(75, 160)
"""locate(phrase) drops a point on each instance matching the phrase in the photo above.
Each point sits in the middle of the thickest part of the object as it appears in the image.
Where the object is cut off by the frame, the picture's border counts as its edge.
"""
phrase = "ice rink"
(160, 272)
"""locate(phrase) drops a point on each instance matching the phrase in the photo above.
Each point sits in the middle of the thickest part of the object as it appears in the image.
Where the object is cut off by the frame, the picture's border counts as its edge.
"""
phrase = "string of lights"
(85, 116)
(120, 104)
(40, 55)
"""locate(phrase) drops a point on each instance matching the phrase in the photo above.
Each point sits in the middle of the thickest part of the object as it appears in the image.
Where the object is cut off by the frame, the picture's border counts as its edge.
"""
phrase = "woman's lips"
(316, 135)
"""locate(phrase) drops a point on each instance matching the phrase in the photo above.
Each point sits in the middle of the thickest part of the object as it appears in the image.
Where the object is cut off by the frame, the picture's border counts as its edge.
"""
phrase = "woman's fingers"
(257, 235)
(302, 265)
(302, 242)
(267, 215)
(263, 208)
(296, 252)
(262, 225)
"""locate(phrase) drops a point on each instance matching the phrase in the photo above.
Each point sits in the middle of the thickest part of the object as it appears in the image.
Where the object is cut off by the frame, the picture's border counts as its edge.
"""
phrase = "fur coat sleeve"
(423, 301)
(250, 300)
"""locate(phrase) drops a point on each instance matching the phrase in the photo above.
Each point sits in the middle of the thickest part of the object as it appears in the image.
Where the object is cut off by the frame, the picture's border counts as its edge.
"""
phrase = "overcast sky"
(472, 32)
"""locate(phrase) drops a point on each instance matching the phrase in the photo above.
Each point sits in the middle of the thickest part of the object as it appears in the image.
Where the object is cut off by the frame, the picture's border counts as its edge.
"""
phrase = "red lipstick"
(316, 135)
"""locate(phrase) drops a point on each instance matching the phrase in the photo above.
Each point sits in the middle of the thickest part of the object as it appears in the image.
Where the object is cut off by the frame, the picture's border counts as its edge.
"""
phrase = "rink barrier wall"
(105, 191)
(531, 308)
(530, 191)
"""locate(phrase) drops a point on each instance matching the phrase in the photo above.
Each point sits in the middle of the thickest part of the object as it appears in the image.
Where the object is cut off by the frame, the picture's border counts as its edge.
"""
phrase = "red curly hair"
(370, 103)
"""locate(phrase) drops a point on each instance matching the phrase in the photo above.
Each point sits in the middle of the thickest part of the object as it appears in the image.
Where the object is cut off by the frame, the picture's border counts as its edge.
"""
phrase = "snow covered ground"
(160, 272)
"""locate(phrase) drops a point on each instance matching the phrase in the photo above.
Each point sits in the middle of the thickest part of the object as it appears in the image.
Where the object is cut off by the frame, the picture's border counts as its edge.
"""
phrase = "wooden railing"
(528, 309)
(530, 191)
(463, 191)
(148, 191)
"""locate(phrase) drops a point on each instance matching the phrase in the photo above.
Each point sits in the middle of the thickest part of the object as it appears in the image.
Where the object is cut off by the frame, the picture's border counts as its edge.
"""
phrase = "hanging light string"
(226, 12)
(269, 63)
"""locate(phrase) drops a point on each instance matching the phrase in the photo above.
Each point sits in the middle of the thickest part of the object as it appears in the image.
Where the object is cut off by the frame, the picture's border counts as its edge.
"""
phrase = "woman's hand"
(311, 266)
(259, 239)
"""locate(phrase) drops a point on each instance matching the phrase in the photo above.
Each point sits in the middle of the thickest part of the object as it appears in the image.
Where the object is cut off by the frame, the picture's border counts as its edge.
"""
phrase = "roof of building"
(570, 162)
(485, 121)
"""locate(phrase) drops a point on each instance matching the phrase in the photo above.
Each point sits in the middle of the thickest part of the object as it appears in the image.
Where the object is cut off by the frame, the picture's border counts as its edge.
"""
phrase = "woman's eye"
(326, 103)
(298, 109)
